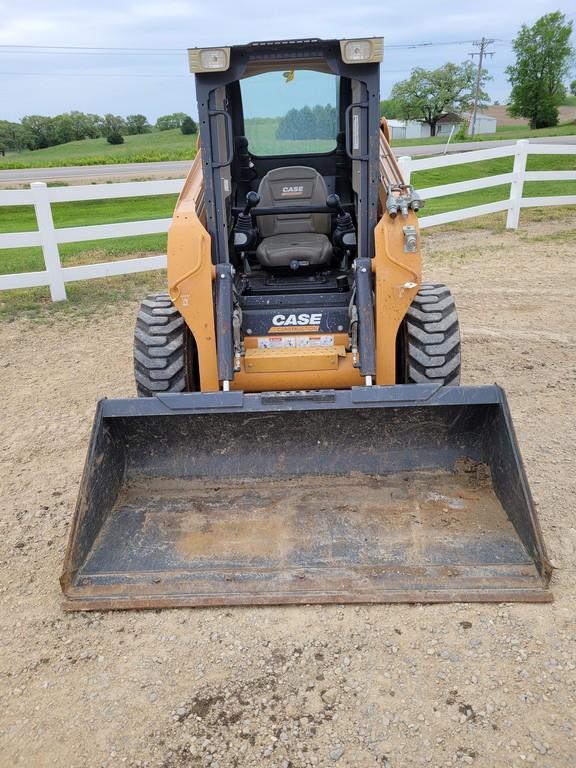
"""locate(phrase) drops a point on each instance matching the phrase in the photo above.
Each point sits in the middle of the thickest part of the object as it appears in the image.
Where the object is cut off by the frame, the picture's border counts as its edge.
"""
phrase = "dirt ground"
(566, 115)
(390, 685)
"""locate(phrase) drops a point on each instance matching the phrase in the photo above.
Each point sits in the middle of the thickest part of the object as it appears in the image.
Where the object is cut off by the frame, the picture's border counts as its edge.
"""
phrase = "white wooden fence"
(515, 178)
(48, 237)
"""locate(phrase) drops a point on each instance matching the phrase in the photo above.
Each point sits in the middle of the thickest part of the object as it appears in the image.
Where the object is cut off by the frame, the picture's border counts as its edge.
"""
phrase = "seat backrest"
(295, 186)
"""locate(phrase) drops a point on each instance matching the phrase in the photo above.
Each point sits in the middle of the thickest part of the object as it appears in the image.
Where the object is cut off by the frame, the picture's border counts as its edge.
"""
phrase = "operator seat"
(293, 238)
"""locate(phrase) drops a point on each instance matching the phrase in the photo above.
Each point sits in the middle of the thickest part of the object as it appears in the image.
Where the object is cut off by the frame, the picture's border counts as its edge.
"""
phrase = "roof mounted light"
(367, 50)
(208, 59)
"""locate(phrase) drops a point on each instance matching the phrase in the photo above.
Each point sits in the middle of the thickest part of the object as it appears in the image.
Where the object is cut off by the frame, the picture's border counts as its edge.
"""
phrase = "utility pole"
(482, 45)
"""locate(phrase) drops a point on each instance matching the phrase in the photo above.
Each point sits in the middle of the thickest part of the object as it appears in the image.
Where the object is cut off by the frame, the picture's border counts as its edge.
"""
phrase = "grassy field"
(92, 293)
(145, 148)
(261, 135)
(172, 145)
(157, 146)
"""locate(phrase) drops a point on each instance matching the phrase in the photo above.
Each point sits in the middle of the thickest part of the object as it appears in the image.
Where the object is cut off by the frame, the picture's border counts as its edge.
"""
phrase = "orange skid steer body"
(300, 435)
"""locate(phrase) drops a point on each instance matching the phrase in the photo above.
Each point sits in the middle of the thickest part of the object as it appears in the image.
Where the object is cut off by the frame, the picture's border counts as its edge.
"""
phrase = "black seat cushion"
(306, 247)
(300, 237)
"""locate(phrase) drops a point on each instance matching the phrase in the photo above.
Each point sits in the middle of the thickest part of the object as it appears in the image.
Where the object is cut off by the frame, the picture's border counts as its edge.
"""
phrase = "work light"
(209, 59)
(369, 49)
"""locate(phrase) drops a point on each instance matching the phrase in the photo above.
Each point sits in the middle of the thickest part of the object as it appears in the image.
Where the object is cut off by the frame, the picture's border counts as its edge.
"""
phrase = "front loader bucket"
(408, 493)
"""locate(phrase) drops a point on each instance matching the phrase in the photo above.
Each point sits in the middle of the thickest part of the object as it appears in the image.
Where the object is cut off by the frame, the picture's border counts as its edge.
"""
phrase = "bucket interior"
(359, 505)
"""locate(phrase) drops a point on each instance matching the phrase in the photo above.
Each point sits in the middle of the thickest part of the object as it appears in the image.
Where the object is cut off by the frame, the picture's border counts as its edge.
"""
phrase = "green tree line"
(40, 131)
(308, 123)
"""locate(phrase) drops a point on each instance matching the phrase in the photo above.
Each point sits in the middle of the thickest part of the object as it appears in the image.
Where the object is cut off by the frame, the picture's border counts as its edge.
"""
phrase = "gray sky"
(156, 81)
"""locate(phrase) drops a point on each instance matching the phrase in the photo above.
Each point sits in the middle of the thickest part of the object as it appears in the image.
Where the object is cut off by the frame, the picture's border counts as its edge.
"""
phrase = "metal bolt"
(223, 276)
(340, 327)
(249, 331)
(363, 269)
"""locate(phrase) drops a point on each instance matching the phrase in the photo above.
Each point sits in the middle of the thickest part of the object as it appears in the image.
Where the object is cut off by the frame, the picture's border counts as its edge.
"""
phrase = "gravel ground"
(390, 685)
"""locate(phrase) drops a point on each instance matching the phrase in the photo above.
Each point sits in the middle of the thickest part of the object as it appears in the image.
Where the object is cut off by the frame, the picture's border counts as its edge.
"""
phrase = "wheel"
(428, 348)
(165, 357)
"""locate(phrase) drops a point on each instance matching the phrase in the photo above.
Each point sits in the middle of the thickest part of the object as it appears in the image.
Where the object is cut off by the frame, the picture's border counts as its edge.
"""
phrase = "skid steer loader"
(300, 434)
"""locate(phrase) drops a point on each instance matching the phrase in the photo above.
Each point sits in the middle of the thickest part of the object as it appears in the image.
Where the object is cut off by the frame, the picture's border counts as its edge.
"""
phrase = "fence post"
(517, 185)
(404, 165)
(48, 239)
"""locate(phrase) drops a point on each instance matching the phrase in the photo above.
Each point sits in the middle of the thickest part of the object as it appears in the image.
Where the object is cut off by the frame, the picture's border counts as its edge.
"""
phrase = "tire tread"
(432, 337)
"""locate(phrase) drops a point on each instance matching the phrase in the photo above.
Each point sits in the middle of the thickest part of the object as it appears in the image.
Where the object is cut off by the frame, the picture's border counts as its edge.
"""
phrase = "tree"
(64, 129)
(175, 120)
(428, 94)
(136, 124)
(85, 126)
(188, 126)
(544, 56)
(15, 137)
(113, 127)
(573, 87)
(316, 123)
(41, 128)
(389, 109)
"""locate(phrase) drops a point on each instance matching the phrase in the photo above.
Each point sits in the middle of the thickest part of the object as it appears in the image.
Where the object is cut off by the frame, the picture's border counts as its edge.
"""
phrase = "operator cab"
(290, 188)
(289, 134)
(291, 157)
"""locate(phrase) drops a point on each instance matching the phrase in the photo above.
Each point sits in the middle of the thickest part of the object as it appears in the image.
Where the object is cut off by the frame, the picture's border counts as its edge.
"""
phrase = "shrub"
(115, 137)
(188, 126)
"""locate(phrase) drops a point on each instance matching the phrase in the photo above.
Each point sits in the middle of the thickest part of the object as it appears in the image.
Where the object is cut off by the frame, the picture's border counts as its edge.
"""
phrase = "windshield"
(290, 113)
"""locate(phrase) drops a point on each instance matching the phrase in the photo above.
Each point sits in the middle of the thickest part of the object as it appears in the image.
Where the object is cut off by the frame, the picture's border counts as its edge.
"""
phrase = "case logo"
(303, 319)
(296, 190)
(294, 322)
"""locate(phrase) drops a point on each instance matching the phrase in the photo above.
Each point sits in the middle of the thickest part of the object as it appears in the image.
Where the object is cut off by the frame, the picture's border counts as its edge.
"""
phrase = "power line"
(90, 48)
(87, 52)
(89, 74)
(482, 45)
(134, 74)
(127, 51)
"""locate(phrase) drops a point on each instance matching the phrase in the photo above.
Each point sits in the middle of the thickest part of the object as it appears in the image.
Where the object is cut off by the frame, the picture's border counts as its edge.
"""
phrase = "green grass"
(452, 174)
(145, 148)
(88, 296)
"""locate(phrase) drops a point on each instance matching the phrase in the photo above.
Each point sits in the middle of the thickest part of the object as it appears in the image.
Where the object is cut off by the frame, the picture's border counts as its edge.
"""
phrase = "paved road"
(121, 171)
(179, 168)
(468, 146)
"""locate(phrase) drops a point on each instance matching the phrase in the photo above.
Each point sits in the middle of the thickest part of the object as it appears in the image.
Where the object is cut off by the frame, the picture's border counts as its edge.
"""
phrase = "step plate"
(320, 358)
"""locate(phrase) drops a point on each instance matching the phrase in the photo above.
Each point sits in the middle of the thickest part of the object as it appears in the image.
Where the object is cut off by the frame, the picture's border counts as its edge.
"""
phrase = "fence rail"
(49, 237)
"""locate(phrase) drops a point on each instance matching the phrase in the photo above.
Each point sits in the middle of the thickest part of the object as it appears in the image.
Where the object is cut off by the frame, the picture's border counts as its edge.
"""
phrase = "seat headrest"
(295, 186)
(293, 183)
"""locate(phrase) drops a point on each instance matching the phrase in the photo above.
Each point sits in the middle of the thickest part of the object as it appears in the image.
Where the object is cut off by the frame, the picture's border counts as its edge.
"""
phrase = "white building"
(483, 123)
(408, 129)
(448, 123)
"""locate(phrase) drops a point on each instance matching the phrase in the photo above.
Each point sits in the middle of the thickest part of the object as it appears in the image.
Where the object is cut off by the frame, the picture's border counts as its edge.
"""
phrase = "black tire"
(428, 347)
(165, 358)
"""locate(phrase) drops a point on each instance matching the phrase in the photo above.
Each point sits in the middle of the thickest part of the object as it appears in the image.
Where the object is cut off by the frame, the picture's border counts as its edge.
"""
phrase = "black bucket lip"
(396, 395)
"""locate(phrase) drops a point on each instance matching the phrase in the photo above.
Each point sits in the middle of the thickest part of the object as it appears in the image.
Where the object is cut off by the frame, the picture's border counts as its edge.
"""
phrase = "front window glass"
(290, 113)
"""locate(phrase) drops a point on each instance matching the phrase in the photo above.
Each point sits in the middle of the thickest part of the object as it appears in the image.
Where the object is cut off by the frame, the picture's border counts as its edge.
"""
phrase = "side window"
(290, 113)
